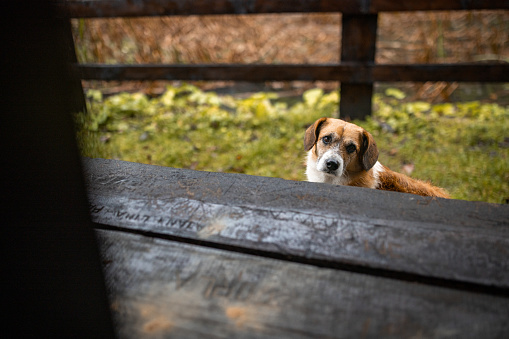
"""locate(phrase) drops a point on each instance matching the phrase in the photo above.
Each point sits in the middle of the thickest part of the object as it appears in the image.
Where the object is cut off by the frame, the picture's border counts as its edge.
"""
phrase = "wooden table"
(189, 254)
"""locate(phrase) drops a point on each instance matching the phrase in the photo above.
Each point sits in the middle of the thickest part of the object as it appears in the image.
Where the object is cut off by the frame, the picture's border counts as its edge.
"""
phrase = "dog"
(342, 153)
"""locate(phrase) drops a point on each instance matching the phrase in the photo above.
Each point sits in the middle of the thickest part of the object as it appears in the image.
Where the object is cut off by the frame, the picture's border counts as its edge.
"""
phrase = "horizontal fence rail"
(137, 8)
(344, 72)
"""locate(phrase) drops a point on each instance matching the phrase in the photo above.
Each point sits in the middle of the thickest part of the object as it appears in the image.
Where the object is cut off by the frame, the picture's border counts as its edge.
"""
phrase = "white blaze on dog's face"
(338, 151)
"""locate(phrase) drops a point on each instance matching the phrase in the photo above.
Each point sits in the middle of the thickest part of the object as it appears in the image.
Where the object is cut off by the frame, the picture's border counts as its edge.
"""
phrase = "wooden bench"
(191, 254)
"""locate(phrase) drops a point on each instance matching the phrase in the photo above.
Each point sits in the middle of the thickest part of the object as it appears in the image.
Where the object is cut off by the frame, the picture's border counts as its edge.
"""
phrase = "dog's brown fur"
(356, 149)
(393, 181)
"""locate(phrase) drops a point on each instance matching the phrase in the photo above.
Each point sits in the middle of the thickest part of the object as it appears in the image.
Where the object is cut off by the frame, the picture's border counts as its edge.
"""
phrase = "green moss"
(462, 147)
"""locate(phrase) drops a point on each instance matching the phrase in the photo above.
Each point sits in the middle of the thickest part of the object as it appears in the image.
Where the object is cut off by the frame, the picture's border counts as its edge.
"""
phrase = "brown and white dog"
(341, 153)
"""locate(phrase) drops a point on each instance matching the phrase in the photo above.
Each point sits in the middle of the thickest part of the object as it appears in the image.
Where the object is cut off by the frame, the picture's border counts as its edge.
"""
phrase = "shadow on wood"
(52, 283)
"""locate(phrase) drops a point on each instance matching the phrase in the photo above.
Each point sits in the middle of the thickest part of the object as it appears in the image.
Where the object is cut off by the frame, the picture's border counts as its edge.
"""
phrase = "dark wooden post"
(78, 103)
(52, 282)
(358, 44)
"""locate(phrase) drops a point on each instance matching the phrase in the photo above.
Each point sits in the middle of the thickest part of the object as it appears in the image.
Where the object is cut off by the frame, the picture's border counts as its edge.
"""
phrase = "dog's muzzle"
(332, 166)
(330, 163)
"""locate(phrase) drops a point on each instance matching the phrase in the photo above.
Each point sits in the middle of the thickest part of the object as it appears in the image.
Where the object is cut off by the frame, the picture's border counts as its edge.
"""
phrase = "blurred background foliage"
(456, 135)
(463, 147)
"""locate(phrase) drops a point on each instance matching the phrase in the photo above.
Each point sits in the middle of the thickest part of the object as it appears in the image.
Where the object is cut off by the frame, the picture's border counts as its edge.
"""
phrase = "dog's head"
(340, 148)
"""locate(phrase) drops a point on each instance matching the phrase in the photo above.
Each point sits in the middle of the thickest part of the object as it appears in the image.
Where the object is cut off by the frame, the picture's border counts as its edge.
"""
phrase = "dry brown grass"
(212, 39)
(419, 37)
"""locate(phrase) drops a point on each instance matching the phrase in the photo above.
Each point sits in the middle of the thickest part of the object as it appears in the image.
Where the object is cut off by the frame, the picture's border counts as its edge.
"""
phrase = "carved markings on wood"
(422, 249)
(446, 239)
(162, 288)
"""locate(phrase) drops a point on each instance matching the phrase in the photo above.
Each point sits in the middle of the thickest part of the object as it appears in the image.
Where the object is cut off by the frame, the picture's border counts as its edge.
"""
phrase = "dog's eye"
(351, 148)
(327, 139)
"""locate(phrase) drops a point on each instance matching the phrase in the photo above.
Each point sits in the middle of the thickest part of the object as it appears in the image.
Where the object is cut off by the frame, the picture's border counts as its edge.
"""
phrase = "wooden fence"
(357, 70)
(184, 254)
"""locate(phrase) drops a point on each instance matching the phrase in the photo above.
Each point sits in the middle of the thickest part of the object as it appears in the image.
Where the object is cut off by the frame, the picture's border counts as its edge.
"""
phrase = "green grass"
(462, 147)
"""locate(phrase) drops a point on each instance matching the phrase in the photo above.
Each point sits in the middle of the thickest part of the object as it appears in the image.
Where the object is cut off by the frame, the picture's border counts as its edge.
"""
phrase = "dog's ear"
(369, 151)
(312, 133)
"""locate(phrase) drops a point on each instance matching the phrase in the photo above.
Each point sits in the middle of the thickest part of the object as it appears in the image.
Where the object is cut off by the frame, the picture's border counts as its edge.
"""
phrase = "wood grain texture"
(162, 289)
(108, 8)
(445, 239)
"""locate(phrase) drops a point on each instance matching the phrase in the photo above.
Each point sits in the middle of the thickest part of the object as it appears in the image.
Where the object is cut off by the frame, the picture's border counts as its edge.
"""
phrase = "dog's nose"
(332, 165)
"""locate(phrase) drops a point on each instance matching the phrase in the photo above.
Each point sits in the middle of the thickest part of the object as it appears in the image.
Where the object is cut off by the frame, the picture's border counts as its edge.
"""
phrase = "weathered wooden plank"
(355, 73)
(160, 288)
(360, 229)
(108, 8)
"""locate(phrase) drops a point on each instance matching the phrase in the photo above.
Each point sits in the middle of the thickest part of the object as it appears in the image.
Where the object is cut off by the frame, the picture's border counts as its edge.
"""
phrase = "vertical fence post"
(358, 44)
(78, 96)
